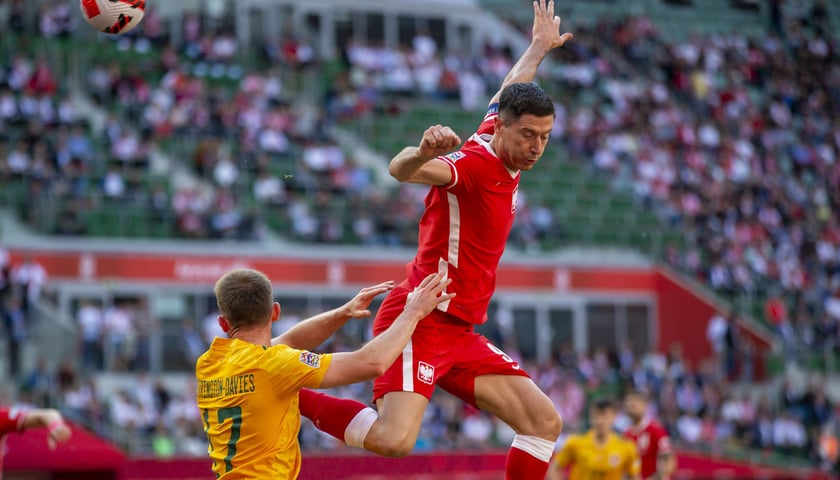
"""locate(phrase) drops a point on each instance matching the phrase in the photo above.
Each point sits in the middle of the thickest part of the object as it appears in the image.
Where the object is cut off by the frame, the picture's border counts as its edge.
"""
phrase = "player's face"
(635, 407)
(523, 141)
(602, 420)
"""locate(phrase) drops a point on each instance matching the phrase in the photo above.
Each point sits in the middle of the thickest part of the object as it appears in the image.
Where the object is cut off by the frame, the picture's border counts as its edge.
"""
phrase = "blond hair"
(244, 297)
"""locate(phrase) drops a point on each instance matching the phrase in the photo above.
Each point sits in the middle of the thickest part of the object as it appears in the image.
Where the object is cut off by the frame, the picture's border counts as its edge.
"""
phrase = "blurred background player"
(599, 454)
(15, 420)
(469, 213)
(651, 439)
(248, 388)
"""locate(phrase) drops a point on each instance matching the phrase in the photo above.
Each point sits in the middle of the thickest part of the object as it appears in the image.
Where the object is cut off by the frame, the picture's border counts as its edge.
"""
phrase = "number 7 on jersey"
(223, 414)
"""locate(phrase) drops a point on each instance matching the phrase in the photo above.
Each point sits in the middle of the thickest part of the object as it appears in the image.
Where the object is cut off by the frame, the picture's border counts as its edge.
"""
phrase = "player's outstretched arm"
(50, 419)
(420, 164)
(313, 331)
(374, 358)
(545, 37)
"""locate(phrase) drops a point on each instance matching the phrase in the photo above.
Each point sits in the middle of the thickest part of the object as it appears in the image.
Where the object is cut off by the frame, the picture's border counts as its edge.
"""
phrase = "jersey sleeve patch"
(492, 110)
(455, 156)
(310, 359)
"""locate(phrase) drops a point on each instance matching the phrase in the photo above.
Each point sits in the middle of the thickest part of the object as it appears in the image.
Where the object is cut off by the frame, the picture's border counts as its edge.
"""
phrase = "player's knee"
(396, 446)
(546, 422)
(553, 424)
(390, 443)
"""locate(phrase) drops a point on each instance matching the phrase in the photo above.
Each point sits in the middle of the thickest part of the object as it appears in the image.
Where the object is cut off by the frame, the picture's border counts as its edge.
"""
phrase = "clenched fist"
(438, 140)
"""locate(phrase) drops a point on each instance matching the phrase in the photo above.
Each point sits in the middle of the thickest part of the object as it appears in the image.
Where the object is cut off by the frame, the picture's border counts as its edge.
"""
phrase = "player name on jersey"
(223, 387)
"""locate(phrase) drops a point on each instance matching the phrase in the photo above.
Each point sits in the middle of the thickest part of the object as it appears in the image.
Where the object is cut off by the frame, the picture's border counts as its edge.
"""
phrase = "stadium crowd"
(732, 140)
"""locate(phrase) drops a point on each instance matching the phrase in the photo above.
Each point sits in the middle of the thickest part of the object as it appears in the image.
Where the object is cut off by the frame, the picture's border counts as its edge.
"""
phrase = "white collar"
(485, 142)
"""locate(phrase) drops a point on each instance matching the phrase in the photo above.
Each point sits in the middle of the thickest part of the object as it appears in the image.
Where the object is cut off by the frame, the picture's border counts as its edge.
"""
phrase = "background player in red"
(652, 441)
(13, 420)
(469, 212)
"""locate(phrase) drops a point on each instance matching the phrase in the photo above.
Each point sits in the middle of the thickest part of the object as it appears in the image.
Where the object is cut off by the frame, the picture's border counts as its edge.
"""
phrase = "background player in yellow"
(600, 453)
(248, 388)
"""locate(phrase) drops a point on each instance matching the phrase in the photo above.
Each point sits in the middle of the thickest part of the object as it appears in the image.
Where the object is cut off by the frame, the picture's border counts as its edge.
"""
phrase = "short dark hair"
(637, 393)
(603, 404)
(519, 99)
(244, 297)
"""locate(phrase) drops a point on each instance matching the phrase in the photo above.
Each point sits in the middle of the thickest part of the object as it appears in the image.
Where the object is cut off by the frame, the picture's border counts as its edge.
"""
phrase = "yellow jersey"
(590, 461)
(248, 397)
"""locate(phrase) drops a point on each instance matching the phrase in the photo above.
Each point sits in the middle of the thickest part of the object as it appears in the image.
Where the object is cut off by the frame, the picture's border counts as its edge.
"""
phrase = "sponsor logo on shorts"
(311, 359)
(425, 373)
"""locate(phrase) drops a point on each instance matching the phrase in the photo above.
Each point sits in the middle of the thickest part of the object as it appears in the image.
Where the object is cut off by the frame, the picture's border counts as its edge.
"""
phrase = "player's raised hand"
(429, 294)
(358, 306)
(546, 31)
(438, 140)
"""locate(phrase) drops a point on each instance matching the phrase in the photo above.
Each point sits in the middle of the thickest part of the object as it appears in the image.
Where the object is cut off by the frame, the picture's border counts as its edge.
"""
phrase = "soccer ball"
(113, 16)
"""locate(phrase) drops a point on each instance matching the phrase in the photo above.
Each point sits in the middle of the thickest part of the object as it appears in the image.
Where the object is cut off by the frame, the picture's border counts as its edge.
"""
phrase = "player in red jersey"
(652, 441)
(17, 420)
(469, 212)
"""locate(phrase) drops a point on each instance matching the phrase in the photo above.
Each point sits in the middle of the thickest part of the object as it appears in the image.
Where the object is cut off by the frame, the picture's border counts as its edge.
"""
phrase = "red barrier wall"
(684, 315)
(683, 312)
(432, 466)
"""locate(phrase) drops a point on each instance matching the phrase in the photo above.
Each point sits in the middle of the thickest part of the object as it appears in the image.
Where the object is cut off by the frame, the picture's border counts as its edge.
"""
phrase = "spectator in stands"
(120, 336)
(789, 434)
(716, 335)
(38, 384)
(193, 345)
(16, 329)
(30, 277)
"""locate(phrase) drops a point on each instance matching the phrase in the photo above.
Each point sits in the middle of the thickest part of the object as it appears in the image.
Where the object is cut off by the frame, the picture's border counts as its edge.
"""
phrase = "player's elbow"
(371, 365)
(395, 171)
(378, 367)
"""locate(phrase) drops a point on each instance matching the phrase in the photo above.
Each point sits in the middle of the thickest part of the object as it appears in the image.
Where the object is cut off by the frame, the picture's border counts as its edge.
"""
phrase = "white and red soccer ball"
(113, 16)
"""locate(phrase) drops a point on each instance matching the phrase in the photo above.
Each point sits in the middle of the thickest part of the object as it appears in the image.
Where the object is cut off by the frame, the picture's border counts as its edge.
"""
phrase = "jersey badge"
(425, 373)
(311, 359)
(455, 156)
(614, 460)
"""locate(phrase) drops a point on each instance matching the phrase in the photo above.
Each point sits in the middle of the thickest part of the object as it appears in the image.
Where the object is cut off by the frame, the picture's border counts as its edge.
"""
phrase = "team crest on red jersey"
(643, 442)
(425, 373)
(311, 359)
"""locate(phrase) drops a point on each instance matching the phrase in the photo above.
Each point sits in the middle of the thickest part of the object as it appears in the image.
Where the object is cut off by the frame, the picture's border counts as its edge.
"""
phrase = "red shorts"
(443, 351)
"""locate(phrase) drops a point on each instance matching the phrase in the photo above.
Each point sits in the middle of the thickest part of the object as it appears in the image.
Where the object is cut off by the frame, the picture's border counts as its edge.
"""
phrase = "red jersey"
(466, 224)
(11, 420)
(652, 441)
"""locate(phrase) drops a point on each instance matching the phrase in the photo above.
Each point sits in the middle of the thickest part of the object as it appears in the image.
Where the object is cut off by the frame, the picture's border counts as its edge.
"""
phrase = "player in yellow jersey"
(248, 388)
(599, 454)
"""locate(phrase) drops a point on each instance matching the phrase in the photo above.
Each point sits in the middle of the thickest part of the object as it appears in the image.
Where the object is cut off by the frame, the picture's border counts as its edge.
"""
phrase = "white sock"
(537, 447)
(358, 428)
